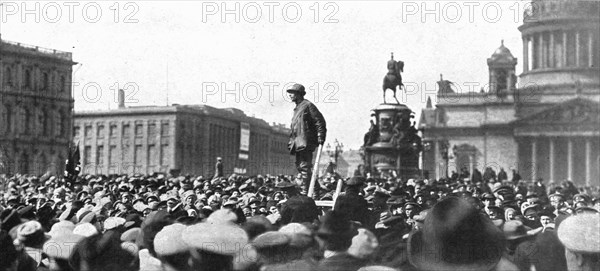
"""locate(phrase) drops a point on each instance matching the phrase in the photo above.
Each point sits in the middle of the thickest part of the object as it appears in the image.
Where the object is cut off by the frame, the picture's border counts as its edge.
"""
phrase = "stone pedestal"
(392, 144)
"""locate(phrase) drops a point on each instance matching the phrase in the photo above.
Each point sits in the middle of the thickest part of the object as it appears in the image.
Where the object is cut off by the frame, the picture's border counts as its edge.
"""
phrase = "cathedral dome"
(502, 54)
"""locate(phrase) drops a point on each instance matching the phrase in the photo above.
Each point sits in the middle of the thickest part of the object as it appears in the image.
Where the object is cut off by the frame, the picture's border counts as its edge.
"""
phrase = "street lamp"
(335, 152)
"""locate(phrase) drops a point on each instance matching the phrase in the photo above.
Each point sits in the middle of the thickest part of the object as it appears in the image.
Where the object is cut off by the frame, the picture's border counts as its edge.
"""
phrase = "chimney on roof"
(121, 98)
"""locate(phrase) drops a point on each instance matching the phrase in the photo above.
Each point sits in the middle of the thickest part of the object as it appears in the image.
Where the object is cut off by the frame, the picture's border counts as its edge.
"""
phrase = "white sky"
(348, 54)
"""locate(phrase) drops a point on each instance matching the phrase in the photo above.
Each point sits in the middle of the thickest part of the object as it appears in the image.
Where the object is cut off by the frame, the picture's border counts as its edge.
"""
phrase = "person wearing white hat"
(580, 234)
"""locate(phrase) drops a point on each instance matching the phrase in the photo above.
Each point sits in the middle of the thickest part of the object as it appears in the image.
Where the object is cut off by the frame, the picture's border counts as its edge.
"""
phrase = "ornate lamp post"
(337, 149)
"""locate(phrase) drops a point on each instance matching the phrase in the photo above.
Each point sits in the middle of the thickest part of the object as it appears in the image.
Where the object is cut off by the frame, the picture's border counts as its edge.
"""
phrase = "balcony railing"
(47, 51)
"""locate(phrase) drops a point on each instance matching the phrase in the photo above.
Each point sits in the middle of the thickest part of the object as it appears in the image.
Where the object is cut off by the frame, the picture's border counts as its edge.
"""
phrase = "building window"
(26, 121)
(87, 155)
(164, 131)
(8, 118)
(100, 131)
(126, 130)
(112, 155)
(27, 78)
(100, 155)
(139, 130)
(63, 84)
(8, 76)
(46, 81)
(138, 158)
(76, 131)
(151, 130)
(45, 123)
(152, 156)
(87, 131)
(164, 157)
(113, 130)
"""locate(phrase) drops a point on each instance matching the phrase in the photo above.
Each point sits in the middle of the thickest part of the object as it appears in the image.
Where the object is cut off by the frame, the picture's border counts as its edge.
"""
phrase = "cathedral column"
(534, 159)
(570, 159)
(577, 49)
(540, 53)
(551, 56)
(551, 154)
(590, 48)
(588, 162)
(526, 54)
(436, 163)
(564, 48)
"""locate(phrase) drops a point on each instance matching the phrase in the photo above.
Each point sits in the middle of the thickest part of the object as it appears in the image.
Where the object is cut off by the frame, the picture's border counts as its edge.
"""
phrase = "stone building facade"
(544, 125)
(36, 107)
(188, 138)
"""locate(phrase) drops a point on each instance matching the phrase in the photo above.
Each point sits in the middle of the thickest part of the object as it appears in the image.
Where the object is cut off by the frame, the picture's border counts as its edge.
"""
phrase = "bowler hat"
(456, 236)
(297, 88)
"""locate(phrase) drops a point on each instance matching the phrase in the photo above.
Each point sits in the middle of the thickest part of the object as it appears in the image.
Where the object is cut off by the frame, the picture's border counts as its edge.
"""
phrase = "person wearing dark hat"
(351, 204)
(551, 253)
(153, 224)
(8, 253)
(335, 237)
(457, 236)
(297, 208)
(521, 247)
(308, 131)
(101, 252)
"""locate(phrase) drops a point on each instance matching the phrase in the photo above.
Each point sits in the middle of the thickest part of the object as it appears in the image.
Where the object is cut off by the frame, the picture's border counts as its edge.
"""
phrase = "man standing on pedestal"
(308, 131)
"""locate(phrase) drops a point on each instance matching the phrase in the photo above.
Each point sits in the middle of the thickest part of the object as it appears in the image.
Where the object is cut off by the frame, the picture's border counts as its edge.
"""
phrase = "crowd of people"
(162, 222)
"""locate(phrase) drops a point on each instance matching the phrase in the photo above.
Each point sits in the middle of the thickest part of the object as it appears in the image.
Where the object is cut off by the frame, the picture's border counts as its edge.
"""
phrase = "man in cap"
(353, 205)
(308, 130)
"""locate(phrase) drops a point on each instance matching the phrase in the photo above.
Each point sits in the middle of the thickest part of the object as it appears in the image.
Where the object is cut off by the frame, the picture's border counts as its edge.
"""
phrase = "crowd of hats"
(144, 222)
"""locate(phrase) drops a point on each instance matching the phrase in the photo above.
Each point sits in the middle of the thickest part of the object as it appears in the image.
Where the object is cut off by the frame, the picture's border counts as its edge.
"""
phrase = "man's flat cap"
(357, 180)
(297, 88)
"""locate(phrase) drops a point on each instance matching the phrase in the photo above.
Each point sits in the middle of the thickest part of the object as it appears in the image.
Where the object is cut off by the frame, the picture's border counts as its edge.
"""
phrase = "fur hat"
(456, 236)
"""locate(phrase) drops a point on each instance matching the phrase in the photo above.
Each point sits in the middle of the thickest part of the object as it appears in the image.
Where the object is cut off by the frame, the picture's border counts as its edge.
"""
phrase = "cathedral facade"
(545, 123)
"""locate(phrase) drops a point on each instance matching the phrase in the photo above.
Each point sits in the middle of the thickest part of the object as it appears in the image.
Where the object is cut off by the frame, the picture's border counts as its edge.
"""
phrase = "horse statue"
(393, 78)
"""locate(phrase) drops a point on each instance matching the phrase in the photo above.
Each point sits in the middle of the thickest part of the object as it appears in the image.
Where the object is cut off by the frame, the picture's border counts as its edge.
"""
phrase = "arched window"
(42, 164)
(24, 163)
(45, 123)
(63, 84)
(26, 121)
(8, 76)
(27, 78)
(7, 118)
(59, 123)
(45, 82)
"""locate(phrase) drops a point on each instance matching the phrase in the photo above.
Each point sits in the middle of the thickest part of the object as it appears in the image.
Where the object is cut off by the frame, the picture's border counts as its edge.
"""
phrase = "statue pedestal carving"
(392, 143)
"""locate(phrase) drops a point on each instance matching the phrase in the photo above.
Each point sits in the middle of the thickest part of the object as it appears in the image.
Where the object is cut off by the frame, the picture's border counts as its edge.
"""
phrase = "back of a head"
(460, 236)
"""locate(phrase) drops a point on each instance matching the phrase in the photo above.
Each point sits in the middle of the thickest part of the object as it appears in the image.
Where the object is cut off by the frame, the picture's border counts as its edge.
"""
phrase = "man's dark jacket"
(308, 125)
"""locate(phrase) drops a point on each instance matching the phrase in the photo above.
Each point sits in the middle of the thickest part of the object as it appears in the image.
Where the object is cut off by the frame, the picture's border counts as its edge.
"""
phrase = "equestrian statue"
(393, 79)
